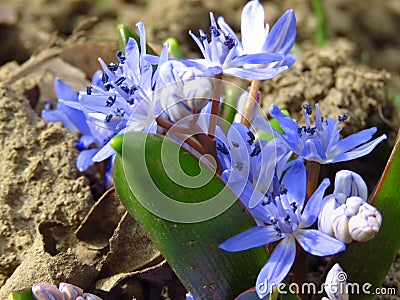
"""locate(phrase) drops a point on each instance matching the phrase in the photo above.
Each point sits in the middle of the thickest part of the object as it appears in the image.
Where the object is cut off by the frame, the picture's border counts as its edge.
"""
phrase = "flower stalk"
(250, 103)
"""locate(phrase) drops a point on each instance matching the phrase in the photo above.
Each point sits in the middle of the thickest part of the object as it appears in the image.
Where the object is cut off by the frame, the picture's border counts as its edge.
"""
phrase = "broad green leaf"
(25, 294)
(186, 214)
(369, 262)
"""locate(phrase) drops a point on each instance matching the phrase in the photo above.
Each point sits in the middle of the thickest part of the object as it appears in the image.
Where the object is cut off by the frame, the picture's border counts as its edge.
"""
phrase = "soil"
(48, 208)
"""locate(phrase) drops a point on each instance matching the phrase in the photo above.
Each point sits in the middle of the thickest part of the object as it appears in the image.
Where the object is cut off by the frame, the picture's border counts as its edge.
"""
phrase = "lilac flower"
(248, 166)
(287, 220)
(256, 38)
(221, 56)
(322, 142)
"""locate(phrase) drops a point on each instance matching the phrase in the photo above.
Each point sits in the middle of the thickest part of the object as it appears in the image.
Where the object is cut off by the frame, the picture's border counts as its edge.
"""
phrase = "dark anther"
(119, 53)
(229, 42)
(252, 137)
(120, 57)
(112, 67)
(125, 89)
(109, 117)
(287, 219)
(110, 101)
(48, 105)
(130, 100)
(132, 90)
(311, 130)
(294, 206)
(222, 148)
(203, 38)
(278, 231)
(104, 77)
(120, 112)
(214, 31)
(107, 86)
(120, 80)
(256, 150)
(308, 109)
(342, 118)
(89, 90)
(273, 221)
(282, 190)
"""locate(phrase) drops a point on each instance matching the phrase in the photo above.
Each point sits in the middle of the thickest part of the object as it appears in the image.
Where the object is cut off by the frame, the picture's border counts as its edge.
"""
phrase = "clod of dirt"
(39, 179)
(329, 76)
(49, 260)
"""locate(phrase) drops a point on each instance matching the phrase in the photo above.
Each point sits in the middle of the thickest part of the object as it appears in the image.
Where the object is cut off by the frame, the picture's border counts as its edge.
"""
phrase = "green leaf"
(184, 223)
(321, 30)
(369, 262)
(25, 294)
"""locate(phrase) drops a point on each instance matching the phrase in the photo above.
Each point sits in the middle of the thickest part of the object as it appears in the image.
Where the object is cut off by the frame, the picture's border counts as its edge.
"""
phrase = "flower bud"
(88, 296)
(365, 225)
(335, 284)
(340, 220)
(70, 292)
(325, 217)
(46, 291)
(350, 184)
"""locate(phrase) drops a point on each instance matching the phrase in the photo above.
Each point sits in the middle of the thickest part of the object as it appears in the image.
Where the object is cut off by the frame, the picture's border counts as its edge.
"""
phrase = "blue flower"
(287, 220)
(221, 56)
(322, 142)
(256, 38)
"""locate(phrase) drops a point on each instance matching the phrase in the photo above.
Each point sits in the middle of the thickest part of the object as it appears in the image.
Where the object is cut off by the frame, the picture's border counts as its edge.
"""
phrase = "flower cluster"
(65, 291)
(144, 92)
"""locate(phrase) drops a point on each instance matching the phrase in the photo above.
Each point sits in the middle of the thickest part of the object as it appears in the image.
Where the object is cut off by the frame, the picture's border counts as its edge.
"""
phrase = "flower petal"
(277, 267)
(314, 204)
(282, 35)
(85, 141)
(252, 27)
(85, 159)
(255, 59)
(353, 141)
(105, 152)
(252, 238)
(295, 182)
(288, 125)
(318, 243)
(255, 73)
(358, 152)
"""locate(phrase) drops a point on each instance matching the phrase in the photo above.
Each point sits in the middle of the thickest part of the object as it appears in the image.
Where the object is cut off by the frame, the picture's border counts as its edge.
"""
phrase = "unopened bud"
(325, 217)
(335, 284)
(365, 225)
(46, 291)
(350, 184)
(70, 292)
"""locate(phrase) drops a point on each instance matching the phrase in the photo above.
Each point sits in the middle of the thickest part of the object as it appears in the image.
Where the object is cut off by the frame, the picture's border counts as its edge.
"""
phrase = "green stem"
(215, 105)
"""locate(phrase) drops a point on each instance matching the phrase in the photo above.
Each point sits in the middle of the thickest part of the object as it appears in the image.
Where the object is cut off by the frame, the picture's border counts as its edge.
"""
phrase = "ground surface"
(44, 199)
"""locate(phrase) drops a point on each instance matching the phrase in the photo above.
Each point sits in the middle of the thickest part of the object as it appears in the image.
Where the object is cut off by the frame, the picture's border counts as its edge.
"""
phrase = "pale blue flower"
(287, 219)
(256, 36)
(322, 142)
(221, 56)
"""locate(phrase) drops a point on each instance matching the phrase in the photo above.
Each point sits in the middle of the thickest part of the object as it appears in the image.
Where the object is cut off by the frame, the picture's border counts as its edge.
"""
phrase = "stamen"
(89, 90)
(343, 118)
(120, 80)
(112, 67)
(282, 190)
(222, 148)
(110, 101)
(119, 112)
(108, 118)
(252, 138)
(256, 150)
(104, 78)
(308, 109)
(287, 219)
(214, 31)
(107, 86)
(273, 221)
(229, 42)
(294, 206)
(120, 57)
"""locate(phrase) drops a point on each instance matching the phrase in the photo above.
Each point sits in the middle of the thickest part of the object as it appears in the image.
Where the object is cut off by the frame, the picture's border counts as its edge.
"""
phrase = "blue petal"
(105, 152)
(63, 91)
(288, 125)
(255, 73)
(314, 204)
(352, 141)
(318, 243)
(255, 59)
(358, 152)
(85, 159)
(282, 35)
(277, 267)
(252, 27)
(59, 116)
(85, 141)
(252, 238)
(109, 175)
(313, 151)
(295, 180)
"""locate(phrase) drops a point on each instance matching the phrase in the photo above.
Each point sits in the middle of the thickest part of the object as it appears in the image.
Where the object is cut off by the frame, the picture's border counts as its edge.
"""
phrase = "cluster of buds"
(65, 291)
(346, 215)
